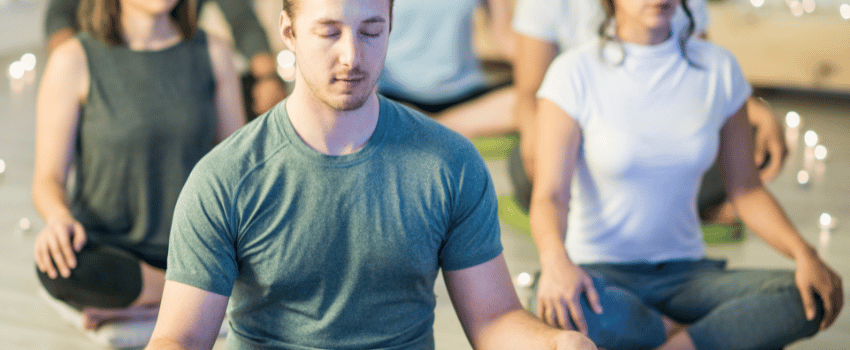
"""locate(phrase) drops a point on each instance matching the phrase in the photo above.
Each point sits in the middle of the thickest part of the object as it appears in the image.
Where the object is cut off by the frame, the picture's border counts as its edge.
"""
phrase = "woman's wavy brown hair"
(607, 37)
(102, 18)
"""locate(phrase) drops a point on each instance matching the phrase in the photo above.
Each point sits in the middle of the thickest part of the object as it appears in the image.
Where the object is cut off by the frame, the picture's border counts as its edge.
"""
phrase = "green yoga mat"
(496, 147)
(512, 214)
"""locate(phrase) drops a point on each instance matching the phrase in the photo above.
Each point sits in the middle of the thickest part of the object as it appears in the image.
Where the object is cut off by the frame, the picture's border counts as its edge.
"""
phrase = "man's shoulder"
(419, 132)
(246, 149)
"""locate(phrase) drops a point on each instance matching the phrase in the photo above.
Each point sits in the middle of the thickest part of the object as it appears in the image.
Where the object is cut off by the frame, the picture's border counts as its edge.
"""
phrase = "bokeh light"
(809, 6)
(16, 70)
(797, 8)
(845, 11)
(757, 3)
(803, 177)
(24, 224)
(792, 119)
(28, 60)
(285, 59)
(811, 138)
(825, 220)
(820, 152)
(523, 279)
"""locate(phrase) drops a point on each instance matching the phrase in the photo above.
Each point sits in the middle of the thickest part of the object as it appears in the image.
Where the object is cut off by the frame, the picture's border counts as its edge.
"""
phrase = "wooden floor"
(26, 322)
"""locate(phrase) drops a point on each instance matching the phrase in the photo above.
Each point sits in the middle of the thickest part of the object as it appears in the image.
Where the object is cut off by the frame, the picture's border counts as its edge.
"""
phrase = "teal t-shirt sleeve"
(201, 250)
(473, 236)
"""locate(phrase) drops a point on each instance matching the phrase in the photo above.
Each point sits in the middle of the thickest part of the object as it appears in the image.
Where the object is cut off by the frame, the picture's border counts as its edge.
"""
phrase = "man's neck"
(330, 131)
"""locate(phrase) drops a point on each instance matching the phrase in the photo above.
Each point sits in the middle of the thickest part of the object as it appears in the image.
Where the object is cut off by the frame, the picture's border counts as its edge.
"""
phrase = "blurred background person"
(636, 117)
(132, 102)
(432, 65)
(262, 87)
(545, 28)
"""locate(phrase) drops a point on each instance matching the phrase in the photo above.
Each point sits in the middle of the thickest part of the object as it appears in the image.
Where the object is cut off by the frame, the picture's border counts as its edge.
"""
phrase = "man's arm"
(189, 318)
(492, 317)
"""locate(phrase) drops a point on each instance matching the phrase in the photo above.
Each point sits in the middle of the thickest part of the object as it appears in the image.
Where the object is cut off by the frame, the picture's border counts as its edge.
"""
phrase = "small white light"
(24, 224)
(820, 152)
(524, 279)
(28, 61)
(285, 59)
(797, 8)
(757, 3)
(809, 6)
(825, 220)
(16, 70)
(845, 11)
(811, 138)
(803, 177)
(2, 166)
(792, 119)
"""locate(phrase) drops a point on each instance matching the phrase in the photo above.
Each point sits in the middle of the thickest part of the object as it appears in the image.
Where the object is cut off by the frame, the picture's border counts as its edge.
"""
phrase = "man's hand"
(58, 244)
(814, 276)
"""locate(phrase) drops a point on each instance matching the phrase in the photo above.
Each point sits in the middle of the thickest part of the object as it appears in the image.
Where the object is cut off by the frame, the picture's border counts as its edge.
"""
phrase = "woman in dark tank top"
(132, 103)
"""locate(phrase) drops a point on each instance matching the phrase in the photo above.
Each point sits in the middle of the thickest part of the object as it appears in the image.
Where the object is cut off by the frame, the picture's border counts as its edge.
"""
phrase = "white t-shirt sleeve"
(536, 18)
(563, 85)
(738, 90)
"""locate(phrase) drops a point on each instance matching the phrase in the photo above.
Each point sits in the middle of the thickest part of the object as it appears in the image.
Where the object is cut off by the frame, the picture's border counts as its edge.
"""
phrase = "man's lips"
(350, 79)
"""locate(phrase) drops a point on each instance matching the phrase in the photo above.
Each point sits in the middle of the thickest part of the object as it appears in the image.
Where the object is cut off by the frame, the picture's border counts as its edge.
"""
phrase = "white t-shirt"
(571, 23)
(650, 128)
(430, 58)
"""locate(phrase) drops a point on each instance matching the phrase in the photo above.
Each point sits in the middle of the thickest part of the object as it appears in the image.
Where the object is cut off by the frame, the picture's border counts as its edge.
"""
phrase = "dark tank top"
(149, 117)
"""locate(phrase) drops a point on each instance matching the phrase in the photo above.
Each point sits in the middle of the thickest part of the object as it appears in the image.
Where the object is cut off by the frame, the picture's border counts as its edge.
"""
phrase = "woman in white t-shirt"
(636, 117)
(546, 27)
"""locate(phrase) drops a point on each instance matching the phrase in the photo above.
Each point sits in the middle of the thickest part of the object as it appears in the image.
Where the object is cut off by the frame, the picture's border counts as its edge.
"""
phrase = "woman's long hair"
(608, 34)
(102, 18)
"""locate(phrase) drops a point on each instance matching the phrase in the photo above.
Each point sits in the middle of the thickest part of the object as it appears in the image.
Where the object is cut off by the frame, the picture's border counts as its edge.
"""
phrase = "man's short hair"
(290, 7)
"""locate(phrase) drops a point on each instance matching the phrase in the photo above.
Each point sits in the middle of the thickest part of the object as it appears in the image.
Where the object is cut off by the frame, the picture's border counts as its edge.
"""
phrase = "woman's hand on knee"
(56, 246)
(814, 276)
(559, 296)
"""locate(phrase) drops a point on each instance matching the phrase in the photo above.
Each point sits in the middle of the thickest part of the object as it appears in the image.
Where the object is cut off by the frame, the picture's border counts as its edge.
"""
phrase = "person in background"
(432, 65)
(627, 125)
(262, 88)
(323, 224)
(131, 103)
(545, 28)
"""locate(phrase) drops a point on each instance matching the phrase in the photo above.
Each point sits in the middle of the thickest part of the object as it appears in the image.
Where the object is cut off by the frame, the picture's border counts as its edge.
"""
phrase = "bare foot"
(93, 318)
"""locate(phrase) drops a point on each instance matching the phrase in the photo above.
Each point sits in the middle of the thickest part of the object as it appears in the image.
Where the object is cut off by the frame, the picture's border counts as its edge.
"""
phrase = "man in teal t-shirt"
(325, 221)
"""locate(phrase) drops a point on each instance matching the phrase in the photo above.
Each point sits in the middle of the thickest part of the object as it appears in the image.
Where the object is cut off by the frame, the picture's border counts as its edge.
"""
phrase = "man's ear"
(287, 31)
